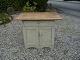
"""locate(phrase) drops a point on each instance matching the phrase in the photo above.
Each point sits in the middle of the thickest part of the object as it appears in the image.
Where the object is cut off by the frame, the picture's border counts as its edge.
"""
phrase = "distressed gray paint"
(38, 34)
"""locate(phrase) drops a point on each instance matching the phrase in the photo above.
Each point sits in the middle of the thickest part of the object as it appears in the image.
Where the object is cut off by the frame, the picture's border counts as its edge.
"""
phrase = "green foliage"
(29, 7)
(41, 4)
(4, 18)
(16, 4)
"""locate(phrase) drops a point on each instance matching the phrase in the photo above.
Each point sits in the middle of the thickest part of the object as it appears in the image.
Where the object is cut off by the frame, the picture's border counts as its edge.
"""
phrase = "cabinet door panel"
(46, 36)
(30, 36)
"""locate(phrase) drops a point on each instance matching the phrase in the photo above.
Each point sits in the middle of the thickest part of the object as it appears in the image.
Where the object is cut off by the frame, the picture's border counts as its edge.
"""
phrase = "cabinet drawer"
(38, 23)
(46, 23)
(30, 23)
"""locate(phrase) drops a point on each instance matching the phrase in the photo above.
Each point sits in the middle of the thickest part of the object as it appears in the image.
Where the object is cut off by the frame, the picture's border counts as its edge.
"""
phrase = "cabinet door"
(30, 36)
(46, 36)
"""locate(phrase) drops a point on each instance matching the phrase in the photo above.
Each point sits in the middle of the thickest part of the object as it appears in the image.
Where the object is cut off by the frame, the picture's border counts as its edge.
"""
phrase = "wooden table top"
(38, 16)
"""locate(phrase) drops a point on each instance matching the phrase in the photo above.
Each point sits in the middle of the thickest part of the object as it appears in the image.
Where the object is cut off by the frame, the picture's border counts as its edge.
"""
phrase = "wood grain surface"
(38, 16)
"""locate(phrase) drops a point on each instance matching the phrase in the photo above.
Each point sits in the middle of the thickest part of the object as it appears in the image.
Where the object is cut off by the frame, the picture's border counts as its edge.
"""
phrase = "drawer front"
(30, 23)
(46, 23)
(38, 23)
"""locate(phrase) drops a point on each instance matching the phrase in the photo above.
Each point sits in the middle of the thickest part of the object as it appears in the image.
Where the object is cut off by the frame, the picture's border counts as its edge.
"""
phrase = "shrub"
(29, 7)
(41, 4)
(16, 4)
(4, 18)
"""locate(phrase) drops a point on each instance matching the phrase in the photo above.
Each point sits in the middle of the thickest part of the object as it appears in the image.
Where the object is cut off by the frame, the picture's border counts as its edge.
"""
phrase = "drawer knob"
(40, 34)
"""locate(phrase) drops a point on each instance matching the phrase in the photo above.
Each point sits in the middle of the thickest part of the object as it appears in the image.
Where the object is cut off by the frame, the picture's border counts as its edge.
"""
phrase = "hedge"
(16, 4)
(41, 4)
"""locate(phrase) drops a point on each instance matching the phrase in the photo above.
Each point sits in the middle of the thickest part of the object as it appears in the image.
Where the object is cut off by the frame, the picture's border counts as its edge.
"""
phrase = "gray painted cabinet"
(38, 33)
(38, 30)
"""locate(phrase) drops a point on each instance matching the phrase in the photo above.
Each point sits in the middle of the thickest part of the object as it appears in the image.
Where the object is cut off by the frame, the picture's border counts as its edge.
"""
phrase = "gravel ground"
(66, 44)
